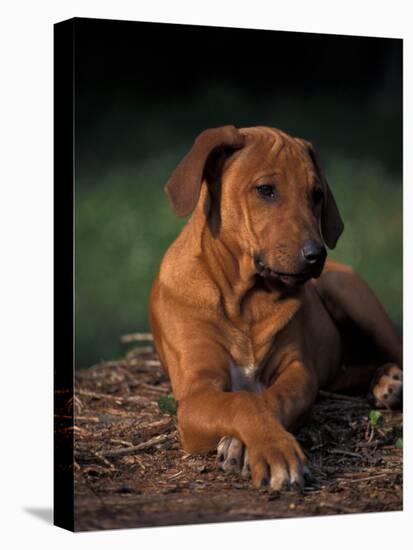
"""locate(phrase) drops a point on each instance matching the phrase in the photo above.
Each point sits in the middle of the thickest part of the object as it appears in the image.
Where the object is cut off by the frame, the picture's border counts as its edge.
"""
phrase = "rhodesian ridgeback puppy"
(248, 317)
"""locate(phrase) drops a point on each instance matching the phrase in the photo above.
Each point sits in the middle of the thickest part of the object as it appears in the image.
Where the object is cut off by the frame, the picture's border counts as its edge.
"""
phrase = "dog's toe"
(230, 454)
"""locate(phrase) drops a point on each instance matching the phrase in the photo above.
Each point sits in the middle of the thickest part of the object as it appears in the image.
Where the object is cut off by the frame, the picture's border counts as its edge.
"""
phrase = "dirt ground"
(131, 472)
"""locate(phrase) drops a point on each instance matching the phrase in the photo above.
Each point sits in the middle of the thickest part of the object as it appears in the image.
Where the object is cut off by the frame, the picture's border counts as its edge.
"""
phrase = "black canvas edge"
(63, 173)
(217, 26)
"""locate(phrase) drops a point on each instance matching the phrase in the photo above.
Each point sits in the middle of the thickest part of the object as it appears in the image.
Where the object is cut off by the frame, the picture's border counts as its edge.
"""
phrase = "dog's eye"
(317, 195)
(266, 191)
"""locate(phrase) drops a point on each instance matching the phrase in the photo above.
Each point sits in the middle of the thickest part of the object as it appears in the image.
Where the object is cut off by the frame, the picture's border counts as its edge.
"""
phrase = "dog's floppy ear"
(184, 185)
(331, 222)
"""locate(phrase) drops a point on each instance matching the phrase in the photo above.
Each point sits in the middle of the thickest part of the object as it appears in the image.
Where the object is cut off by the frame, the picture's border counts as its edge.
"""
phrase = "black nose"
(313, 253)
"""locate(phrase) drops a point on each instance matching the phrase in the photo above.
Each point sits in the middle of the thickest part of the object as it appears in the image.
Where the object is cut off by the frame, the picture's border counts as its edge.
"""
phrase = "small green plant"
(399, 443)
(167, 404)
(375, 417)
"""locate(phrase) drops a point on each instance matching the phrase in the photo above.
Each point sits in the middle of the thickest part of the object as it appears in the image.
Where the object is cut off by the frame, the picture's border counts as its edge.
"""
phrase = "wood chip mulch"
(130, 470)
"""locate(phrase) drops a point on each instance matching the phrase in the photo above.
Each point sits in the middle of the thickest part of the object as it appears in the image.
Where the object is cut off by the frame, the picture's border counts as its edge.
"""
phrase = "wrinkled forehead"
(269, 150)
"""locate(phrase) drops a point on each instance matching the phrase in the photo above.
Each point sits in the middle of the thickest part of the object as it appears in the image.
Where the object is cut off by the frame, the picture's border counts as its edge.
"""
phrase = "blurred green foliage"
(124, 224)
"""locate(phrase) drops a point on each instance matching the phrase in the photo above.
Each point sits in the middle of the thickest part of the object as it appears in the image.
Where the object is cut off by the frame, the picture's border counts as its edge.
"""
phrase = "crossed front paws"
(271, 466)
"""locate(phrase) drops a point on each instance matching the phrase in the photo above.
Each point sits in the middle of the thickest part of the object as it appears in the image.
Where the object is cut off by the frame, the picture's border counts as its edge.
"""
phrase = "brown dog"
(248, 318)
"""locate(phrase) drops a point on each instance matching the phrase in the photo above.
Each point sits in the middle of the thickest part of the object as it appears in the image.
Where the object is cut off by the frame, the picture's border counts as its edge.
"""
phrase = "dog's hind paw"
(387, 387)
(231, 455)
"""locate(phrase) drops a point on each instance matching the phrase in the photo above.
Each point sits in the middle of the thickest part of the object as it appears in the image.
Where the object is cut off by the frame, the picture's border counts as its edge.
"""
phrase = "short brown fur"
(213, 305)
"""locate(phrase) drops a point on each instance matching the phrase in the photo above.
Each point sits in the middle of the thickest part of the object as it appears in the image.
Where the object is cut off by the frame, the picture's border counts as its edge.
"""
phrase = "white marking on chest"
(244, 377)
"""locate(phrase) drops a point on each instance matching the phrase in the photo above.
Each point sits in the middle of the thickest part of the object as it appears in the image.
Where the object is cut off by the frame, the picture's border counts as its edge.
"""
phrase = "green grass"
(370, 200)
(123, 225)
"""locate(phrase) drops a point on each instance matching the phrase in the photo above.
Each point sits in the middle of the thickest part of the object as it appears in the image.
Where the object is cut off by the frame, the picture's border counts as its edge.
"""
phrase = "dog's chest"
(245, 377)
(252, 343)
(246, 360)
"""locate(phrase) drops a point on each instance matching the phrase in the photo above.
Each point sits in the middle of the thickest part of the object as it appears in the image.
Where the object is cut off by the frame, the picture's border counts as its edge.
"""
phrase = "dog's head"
(265, 194)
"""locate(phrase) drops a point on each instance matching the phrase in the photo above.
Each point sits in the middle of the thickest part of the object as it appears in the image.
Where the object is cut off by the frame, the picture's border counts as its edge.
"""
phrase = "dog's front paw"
(386, 387)
(277, 464)
(232, 456)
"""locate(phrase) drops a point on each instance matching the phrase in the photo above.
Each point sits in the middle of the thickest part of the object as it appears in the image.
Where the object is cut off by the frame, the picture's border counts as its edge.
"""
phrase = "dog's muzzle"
(312, 261)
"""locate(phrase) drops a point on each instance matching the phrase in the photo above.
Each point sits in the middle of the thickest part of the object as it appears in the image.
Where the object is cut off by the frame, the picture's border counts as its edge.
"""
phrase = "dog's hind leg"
(353, 378)
(385, 383)
(348, 298)
(353, 304)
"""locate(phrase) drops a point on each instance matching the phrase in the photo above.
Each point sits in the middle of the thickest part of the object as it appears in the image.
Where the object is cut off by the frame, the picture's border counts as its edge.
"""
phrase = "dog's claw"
(308, 477)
